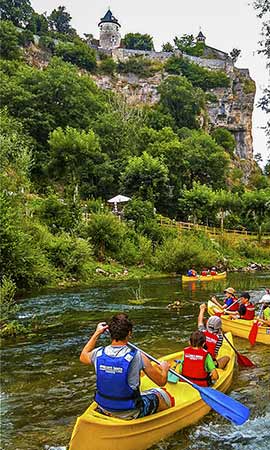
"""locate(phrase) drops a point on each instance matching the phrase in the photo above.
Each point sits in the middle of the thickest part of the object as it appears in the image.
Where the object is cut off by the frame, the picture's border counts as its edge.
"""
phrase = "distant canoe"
(94, 431)
(219, 276)
(240, 327)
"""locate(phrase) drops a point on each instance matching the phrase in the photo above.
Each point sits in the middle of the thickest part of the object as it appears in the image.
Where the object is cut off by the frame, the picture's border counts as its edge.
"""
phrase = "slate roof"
(109, 18)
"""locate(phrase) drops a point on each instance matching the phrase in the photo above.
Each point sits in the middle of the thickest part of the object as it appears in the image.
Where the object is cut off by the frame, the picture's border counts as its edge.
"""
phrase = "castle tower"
(109, 36)
(200, 37)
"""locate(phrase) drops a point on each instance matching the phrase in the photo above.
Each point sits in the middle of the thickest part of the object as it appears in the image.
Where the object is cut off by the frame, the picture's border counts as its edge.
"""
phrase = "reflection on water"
(44, 387)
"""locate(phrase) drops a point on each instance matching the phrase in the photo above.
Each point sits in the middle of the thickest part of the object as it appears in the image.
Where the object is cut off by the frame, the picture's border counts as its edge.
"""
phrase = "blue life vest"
(113, 391)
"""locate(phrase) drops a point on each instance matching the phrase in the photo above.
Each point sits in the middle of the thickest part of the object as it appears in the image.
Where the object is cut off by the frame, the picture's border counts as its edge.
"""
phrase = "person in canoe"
(214, 338)
(230, 301)
(198, 365)
(265, 304)
(213, 271)
(246, 309)
(204, 272)
(192, 273)
(118, 369)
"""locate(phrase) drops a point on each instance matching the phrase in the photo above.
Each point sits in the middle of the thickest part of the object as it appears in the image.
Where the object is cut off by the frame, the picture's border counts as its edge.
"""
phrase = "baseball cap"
(213, 324)
(245, 295)
(265, 299)
(230, 290)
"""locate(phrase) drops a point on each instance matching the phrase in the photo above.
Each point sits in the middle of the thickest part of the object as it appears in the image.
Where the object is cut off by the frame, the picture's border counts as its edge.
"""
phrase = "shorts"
(149, 403)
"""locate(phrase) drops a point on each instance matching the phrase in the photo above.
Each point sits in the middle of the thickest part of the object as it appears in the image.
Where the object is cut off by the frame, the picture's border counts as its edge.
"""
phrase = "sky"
(226, 24)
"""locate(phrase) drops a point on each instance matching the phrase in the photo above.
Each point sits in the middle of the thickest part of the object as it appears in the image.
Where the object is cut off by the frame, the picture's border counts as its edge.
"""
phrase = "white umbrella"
(119, 199)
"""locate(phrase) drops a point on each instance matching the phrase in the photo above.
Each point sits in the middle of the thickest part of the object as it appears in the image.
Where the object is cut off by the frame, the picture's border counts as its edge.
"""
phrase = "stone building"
(109, 35)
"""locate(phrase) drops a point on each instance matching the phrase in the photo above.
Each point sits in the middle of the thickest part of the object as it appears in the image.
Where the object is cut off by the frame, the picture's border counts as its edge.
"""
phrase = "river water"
(44, 386)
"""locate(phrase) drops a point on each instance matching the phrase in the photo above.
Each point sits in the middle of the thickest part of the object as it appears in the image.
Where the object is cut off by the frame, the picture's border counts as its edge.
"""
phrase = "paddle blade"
(172, 378)
(253, 332)
(226, 406)
(244, 361)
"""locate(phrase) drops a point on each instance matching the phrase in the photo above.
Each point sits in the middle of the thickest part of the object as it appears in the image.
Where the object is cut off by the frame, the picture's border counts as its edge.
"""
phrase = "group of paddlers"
(204, 272)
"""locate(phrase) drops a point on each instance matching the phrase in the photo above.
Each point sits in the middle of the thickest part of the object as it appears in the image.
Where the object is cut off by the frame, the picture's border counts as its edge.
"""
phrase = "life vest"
(204, 273)
(250, 312)
(113, 391)
(211, 342)
(213, 272)
(234, 306)
(192, 273)
(193, 366)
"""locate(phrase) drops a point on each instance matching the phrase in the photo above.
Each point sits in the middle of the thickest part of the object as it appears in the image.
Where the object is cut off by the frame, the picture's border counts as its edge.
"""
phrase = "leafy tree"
(57, 214)
(257, 205)
(234, 54)
(145, 176)
(17, 11)
(106, 233)
(138, 41)
(9, 38)
(167, 47)
(184, 102)
(75, 158)
(139, 211)
(224, 138)
(187, 44)
(226, 202)
(38, 24)
(78, 53)
(59, 20)
(197, 203)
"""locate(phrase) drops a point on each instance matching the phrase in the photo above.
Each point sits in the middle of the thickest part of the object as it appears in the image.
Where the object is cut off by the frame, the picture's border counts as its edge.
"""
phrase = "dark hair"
(120, 326)
(197, 339)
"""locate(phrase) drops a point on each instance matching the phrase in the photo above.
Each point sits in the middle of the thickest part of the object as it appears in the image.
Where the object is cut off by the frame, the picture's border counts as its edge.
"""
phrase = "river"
(45, 387)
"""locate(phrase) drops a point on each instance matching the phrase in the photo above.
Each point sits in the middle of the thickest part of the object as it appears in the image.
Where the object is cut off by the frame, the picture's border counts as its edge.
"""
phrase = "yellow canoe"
(240, 327)
(94, 431)
(219, 276)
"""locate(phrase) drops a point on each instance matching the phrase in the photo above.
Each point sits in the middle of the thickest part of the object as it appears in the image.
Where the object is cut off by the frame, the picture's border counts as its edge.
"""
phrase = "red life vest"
(204, 273)
(213, 272)
(193, 366)
(234, 306)
(250, 312)
(211, 342)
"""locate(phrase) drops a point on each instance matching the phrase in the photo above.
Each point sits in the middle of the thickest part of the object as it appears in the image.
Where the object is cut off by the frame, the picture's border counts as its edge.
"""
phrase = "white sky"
(226, 24)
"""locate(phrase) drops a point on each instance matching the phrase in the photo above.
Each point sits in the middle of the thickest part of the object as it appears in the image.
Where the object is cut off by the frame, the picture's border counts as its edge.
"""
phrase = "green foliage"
(108, 66)
(38, 24)
(197, 203)
(78, 53)
(197, 75)
(252, 251)
(139, 65)
(146, 176)
(224, 138)
(8, 306)
(184, 102)
(256, 205)
(249, 86)
(17, 11)
(9, 38)
(138, 41)
(187, 44)
(59, 20)
(139, 211)
(26, 37)
(210, 97)
(167, 47)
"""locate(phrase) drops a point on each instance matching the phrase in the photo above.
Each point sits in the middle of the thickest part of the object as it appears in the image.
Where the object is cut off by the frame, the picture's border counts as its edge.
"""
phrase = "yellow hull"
(220, 276)
(94, 431)
(240, 327)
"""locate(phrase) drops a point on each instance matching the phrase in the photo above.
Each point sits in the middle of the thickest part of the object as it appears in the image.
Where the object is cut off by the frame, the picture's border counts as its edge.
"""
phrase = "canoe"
(94, 431)
(219, 276)
(240, 327)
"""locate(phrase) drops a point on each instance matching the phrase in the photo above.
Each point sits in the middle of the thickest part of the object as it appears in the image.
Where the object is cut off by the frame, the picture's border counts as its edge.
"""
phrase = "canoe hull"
(240, 327)
(96, 431)
(220, 276)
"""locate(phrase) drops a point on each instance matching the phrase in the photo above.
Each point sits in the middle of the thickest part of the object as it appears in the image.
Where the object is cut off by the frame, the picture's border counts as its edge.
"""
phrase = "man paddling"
(230, 301)
(118, 370)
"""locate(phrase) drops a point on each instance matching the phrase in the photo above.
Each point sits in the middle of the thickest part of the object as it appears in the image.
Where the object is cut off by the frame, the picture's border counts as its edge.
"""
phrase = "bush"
(138, 65)
(26, 37)
(224, 138)
(139, 211)
(48, 43)
(9, 38)
(78, 53)
(7, 292)
(108, 66)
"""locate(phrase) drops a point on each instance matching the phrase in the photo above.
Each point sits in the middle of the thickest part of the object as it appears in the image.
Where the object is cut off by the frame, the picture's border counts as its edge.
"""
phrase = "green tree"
(257, 205)
(78, 53)
(139, 211)
(138, 41)
(75, 157)
(105, 233)
(17, 11)
(9, 38)
(38, 24)
(146, 176)
(57, 214)
(167, 47)
(184, 102)
(197, 203)
(59, 20)
(224, 138)
(226, 203)
(188, 44)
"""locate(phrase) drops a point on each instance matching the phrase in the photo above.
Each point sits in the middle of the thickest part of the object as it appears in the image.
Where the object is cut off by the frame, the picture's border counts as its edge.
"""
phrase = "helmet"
(265, 299)
(214, 324)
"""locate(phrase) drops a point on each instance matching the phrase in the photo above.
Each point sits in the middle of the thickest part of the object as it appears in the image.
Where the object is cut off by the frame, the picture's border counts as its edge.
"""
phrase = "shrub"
(108, 66)
(9, 38)
(138, 65)
(78, 53)
(224, 138)
(139, 211)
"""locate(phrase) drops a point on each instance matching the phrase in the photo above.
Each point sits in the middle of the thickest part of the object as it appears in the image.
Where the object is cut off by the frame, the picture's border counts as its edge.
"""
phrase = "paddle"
(254, 329)
(241, 359)
(223, 404)
(226, 309)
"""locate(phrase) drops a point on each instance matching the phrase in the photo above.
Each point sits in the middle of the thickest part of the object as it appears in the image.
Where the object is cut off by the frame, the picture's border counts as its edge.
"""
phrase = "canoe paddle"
(224, 405)
(254, 329)
(226, 309)
(241, 359)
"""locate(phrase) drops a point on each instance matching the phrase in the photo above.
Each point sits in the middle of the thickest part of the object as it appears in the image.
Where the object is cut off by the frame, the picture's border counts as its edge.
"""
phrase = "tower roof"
(200, 36)
(109, 18)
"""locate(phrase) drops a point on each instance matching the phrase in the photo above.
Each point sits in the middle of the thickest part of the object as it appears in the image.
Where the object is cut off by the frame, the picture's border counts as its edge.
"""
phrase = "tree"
(224, 138)
(226, 202)
(139, 211)
(138, 41)
(59, 20)
(9, 37)
(188, 44)
(145, 176)
(257, 205)
(17, 11)
(198, 203)
(234, 54)
(184, 102)
(167, 47)
(75, 158)
(106, 233)
(38, 24)
(78, 53)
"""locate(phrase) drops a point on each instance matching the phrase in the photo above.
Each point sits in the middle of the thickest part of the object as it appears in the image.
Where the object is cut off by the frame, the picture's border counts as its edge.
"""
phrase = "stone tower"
(200, 37)
(109, 36)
